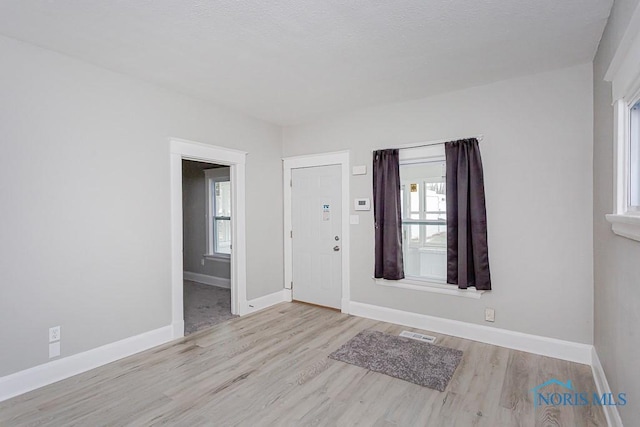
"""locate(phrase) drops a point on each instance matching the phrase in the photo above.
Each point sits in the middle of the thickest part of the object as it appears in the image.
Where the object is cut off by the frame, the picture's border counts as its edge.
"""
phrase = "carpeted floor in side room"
(205, 306)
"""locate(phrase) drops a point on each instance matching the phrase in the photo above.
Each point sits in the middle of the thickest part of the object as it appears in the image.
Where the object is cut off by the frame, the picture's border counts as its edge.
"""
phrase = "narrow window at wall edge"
(633, 183)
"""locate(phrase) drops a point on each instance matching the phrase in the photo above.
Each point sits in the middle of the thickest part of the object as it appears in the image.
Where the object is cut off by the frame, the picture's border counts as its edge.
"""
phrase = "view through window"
(222, 216)
(424, 220)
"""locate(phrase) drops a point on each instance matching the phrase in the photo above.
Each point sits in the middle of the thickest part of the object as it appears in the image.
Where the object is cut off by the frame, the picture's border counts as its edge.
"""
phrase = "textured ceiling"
(287, 60)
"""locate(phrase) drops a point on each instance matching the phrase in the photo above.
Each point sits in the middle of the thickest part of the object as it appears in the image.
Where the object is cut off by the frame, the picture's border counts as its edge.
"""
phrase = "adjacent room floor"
(271, 368)
(205, 306)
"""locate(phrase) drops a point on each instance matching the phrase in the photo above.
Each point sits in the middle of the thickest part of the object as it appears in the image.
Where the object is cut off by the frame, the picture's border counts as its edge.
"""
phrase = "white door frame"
(189, 150)
(326, 159)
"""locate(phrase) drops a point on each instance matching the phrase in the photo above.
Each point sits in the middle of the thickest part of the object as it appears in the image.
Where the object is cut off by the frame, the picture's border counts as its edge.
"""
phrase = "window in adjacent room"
(218, 213)
(424, 218)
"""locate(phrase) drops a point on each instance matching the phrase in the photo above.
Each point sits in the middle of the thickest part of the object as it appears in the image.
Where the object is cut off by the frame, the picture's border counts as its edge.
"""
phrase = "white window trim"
(215, 175)
(624, 74)
(416, 284)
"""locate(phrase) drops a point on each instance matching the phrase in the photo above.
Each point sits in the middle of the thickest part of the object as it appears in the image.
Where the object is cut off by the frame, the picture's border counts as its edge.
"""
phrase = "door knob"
(336, 248)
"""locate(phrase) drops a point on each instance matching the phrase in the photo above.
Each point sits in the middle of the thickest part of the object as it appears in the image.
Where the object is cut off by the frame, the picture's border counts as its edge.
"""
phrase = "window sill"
(436, 288)
(217, 257)
(625, 225)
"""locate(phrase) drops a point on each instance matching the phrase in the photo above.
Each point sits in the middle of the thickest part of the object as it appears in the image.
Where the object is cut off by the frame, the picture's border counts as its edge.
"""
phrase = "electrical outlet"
(202, 261)
(489, 315)
(54, 334)
(54, 349)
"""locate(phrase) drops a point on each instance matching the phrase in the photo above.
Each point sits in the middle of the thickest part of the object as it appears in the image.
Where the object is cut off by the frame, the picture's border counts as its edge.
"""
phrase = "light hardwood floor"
(271, 368)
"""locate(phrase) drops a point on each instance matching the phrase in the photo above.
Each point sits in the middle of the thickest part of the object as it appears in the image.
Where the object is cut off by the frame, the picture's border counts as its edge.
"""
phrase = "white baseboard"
(177, 329)
(220, 282)
(552, 347)
(344, 306)
(610, 411)
(51, 372)
(266, 301)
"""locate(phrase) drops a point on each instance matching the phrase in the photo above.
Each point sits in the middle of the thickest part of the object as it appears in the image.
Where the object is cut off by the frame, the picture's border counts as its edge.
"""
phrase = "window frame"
(624, 75)
(625, 219)
(623, 204)
(213, 176)
(632, 141)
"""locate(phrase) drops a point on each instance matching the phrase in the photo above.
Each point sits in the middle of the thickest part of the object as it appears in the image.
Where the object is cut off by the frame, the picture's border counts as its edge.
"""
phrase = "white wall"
(194, 205)
(84, 190)
(616, 259)
(537, 157)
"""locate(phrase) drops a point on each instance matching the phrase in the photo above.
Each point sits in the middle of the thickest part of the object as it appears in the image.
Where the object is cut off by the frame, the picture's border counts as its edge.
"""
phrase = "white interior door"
(316, 218)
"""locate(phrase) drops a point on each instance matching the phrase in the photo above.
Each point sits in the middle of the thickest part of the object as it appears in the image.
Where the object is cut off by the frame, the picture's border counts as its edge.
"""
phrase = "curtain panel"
(467, 250)
(387, 210)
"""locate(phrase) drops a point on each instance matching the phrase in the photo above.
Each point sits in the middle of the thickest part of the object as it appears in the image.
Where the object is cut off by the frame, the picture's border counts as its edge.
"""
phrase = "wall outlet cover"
(489, 315)
(54, 334)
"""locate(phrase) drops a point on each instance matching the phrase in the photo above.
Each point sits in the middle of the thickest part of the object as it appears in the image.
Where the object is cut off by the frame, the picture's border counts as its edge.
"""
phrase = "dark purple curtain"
(387, 212)
(467, 251)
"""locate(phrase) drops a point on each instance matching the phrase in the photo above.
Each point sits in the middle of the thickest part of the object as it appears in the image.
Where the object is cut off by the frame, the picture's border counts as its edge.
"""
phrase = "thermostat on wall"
(361, 204)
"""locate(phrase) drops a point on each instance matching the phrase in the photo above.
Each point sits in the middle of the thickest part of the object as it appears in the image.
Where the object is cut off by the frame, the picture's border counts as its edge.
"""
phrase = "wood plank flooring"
(271, 368)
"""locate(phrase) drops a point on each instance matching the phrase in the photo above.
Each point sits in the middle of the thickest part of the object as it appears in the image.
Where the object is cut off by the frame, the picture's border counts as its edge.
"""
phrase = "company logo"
(571, 397)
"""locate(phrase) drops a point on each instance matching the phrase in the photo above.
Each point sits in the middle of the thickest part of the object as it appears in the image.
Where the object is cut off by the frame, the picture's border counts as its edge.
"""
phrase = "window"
(634, 158)
(624, 75)
(424, 223)
(218, 212)
(625, 220)
(424, 218)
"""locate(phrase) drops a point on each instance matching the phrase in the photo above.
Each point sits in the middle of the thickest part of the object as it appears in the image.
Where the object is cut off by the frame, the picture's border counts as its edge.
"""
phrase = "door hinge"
(291, 234)
(291, 183)
(292, 284)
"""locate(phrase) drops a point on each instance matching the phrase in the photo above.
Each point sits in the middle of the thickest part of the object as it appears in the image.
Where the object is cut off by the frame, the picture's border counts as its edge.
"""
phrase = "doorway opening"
(228, 224)
(206, 217)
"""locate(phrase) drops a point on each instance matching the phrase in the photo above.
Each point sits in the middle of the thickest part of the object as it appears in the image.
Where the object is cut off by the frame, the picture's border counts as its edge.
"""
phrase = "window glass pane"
(223, 236)
(425, 228)
(634, 157)
(425, 252)
(436, 200)
(223, 198)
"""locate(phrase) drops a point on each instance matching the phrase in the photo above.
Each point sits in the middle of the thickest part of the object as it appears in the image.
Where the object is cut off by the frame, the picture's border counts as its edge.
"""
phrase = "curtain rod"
(428, 143)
